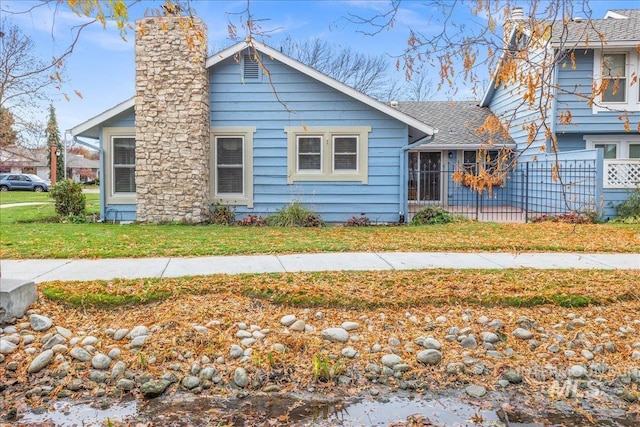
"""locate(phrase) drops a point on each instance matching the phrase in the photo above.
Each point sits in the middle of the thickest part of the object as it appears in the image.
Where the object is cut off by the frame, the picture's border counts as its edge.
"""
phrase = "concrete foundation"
(15, 297)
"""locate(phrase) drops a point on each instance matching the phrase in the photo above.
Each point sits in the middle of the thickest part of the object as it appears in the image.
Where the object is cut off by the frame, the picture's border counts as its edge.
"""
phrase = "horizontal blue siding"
(571, 142)
(507, 104)
(583, 120)
(309, 103)
(612, 198)
(120, 213)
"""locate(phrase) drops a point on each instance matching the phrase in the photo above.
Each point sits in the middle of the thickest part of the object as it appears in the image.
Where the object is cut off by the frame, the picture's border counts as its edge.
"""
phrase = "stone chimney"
(172, 120)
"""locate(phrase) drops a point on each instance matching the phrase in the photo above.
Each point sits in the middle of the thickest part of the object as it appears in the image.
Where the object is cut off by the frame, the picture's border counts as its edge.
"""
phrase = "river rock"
(577, 371)
(242, 333)
(390, 360)
(429, 357)
(125, 384)
(89, 341)
(288, 320)
(80, 354)
(236, 351)
(138, 331)
(7, 347)
(635, 355)
(469, 342)
(154, 388)
(512, 376)
(138, 341)
(240, 377)
(335, 335)
(522, 334)
(40, 362)
(118, 370)
(40, 323)
(120, 334)
(190, 382)
(350, 326)
(53, 341)
(349, 352)
(298, 326)
(101, 361)
(431, 343)
(475, 391)
(489, 337)
(64, 332)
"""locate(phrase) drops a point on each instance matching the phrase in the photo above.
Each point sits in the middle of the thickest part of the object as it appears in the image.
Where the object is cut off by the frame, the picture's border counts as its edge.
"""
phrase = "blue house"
(592, 113)
(274, 131)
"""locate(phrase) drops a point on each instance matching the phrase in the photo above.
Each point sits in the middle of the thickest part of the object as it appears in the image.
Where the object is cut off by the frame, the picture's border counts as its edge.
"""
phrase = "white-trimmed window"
(615, 68)
(120, 164)
(621, 159)
(328, 154)
(232, 165)
(124, 164)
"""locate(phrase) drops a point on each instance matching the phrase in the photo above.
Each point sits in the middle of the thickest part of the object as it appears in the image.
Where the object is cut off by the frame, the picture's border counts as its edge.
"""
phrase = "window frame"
(334, 153)
(235, 199)
(298, 154)
(328, 172)
(632, 91)
(621, 141)
(109, 134)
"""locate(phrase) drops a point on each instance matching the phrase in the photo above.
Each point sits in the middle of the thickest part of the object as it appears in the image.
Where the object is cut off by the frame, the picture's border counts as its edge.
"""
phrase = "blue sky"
(102, 65)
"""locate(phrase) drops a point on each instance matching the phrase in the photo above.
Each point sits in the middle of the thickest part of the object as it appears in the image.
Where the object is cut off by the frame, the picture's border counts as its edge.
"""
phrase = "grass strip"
(369, 290)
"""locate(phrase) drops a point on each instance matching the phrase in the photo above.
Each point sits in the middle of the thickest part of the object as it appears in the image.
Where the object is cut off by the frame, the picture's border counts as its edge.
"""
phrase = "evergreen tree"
(53, 140)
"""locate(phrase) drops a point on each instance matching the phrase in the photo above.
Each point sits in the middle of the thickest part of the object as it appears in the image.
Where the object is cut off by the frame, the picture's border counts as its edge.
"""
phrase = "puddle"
(395, 410)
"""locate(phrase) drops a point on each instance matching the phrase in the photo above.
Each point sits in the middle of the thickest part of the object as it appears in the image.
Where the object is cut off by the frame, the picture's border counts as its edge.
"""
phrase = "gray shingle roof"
(456, 121)
(614, 30)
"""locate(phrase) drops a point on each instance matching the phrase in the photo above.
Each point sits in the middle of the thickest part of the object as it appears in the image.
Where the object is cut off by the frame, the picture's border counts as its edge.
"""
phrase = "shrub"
(631, 207)
(568, 218)
(432, 215)
(295, 215)
(222, 214)
(363, 221)
(68, 198)
(252, 221)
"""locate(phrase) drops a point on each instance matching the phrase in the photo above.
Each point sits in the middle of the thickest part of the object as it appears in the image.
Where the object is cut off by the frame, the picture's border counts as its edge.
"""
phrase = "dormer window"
(250, 68)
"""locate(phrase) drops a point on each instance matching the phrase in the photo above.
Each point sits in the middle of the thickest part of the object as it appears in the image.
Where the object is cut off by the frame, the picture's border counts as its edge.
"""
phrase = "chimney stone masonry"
(172, 120)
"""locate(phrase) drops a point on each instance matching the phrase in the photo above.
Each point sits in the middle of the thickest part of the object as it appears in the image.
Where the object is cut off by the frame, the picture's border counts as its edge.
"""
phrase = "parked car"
(23, 181)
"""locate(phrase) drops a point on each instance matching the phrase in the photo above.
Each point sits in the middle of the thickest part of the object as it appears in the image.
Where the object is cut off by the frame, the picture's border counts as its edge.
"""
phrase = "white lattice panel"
(621, 173)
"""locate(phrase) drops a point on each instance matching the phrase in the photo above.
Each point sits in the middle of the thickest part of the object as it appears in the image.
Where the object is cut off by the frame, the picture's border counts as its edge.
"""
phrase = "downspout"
(403, 197)
(102, 193)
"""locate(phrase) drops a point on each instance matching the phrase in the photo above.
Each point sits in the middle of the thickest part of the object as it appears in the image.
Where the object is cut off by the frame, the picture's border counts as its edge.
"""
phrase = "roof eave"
(93, 122)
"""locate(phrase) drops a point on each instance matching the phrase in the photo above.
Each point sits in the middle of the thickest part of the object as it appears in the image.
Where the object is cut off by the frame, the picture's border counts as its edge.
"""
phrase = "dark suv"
(22, 181)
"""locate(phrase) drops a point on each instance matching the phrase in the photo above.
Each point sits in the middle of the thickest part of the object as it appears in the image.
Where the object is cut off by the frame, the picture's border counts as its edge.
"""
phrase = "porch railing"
(621, 173)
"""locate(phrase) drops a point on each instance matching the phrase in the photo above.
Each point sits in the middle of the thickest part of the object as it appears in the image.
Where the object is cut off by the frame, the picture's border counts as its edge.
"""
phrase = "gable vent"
(251, 68)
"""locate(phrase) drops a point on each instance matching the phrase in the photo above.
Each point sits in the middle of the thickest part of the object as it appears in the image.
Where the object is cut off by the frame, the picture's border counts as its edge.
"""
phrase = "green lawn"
(31, 232)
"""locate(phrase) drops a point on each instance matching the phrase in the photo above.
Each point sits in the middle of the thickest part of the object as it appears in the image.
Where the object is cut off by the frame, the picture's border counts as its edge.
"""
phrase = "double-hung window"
(232, 165)
(229, 165)
(124, 164)
(614, 70)
(328, 154)
(309, 153)
(614, 80)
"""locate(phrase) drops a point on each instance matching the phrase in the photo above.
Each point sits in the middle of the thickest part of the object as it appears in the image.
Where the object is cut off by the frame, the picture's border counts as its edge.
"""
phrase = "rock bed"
(574, 354)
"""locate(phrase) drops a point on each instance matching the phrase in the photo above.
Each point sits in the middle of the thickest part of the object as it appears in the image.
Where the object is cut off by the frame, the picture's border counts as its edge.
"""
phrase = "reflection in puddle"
(296, 410)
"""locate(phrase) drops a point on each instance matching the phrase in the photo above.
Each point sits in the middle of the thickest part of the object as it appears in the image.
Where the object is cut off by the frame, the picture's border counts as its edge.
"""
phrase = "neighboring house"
(81, 169)
(15, 159)
(258, 135)
(597, 136)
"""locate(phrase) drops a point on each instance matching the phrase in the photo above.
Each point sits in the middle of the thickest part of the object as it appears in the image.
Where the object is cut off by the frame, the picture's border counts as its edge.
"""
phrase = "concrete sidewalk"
(42, 270)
